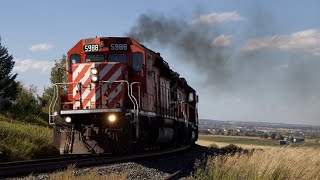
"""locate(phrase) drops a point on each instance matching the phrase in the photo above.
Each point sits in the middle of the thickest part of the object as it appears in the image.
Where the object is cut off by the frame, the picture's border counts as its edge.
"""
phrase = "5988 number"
(91, 47)
(118, 47)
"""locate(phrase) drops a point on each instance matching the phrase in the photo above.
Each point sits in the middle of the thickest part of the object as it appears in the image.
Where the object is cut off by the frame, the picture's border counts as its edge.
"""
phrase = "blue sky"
(274, 49)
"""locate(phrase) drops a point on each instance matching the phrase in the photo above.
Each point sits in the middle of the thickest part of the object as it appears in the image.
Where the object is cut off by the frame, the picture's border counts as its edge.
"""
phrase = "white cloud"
(221, 40)
(24, 65)
(307, 41)
(41, 47)
(217, 18)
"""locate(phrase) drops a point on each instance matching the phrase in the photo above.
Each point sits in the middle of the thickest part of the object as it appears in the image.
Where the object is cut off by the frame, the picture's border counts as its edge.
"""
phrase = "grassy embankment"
(270, 162)
(21, 141)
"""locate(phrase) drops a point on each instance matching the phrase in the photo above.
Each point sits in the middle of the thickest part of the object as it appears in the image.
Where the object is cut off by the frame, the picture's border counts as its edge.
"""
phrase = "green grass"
(239, 140)
(21, 141)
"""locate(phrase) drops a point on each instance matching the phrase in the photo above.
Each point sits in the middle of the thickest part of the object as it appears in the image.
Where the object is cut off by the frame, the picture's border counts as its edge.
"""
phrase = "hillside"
(22, 141)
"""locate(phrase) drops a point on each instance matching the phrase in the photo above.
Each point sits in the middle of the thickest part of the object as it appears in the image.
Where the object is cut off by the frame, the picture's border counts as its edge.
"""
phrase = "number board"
(91, 47)
(119, 47)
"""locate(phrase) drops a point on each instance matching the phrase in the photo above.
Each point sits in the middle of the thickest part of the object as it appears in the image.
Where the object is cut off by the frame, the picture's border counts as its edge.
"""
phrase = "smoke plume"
(240, 85)
(194, 44)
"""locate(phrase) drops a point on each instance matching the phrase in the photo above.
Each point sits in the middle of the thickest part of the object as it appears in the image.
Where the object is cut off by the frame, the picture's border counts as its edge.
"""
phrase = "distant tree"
(8, 85)
(273, 135)
(55, 75)
(279, 137)
(217, 132)
(265, 135)
(286, 133)
(228, 132)
(235, 133)
(28, 104)
(204, 131)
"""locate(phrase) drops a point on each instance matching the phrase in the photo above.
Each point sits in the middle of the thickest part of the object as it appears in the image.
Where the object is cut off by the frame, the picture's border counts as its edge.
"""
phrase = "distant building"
(298, 139)
(294, 139)
(282, 142)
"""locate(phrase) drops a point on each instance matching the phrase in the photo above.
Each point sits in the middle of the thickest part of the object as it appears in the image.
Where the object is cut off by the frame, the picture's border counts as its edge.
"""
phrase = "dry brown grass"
(273, 163)
(317, 141)
(92, 175)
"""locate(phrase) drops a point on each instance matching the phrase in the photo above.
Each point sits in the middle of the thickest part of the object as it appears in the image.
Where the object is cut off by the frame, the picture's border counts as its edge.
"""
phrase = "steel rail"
(173, 175)
(24, 168)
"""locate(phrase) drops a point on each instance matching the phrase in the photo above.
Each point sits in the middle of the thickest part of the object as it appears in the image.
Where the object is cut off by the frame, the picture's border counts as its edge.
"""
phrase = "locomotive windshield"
(74, 58)
(95, 58)
(118, 58)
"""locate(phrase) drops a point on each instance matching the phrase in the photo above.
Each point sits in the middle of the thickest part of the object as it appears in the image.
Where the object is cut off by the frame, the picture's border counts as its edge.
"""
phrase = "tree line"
(20, 102)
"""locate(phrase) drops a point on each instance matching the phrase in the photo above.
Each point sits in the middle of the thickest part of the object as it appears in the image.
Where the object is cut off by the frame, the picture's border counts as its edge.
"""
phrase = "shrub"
(213, 146)
(231, 148)
(27, 107)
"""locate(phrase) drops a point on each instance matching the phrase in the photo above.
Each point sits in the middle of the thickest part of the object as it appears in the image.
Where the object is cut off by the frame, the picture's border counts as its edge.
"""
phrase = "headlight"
(94, 78)
(94, 71)
(112, 118)
(68, 119)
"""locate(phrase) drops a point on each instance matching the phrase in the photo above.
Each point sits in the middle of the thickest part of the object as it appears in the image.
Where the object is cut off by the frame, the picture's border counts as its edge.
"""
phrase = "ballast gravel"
(151, 168)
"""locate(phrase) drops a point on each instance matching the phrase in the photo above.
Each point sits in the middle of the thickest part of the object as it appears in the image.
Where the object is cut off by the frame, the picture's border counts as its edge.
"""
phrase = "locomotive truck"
(120, 97)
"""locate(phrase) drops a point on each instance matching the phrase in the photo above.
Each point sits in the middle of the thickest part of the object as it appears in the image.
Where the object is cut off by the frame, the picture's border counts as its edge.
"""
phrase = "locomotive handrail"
(136, 117)
(54, 101)
(183, 110)
(55, 97)
(131, 91)
(123, 81)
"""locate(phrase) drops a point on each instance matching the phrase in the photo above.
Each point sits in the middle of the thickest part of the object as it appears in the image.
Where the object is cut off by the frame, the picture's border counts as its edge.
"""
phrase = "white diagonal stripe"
(82, 80)
(77, 71)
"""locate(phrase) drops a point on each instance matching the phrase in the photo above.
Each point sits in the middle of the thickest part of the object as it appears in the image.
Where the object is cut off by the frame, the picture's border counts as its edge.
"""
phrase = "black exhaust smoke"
(190, 42)
(262, 85)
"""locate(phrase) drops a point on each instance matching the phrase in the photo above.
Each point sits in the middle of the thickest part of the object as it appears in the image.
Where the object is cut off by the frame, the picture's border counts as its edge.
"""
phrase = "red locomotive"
(121, 97)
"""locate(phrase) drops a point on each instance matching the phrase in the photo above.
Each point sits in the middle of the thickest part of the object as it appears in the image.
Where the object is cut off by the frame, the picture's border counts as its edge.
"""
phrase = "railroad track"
(173, 175)
(23, 168)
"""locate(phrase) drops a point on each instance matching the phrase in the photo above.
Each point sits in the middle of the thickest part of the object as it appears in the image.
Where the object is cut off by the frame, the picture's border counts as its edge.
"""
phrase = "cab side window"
(74, 58)
(137, 61)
